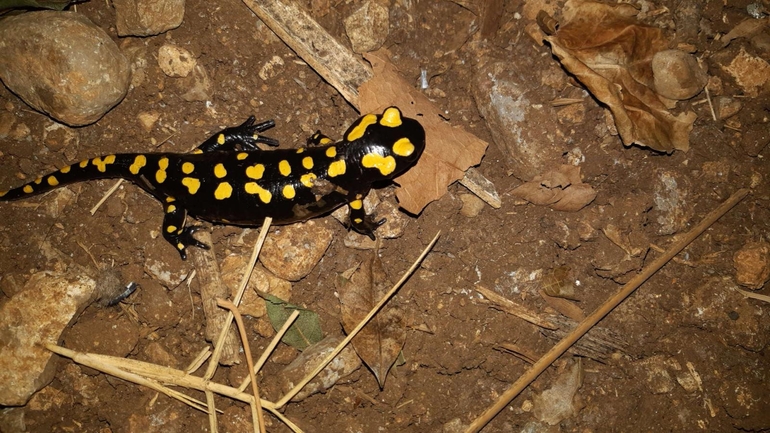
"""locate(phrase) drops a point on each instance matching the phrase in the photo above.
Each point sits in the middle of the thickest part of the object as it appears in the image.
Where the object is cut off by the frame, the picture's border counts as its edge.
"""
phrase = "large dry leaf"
(610, 52)
(380, 341)
(449, 151)
(561, 189)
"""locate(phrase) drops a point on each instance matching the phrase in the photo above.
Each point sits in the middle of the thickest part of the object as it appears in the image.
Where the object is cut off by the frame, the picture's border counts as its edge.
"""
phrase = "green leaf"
(305, 331)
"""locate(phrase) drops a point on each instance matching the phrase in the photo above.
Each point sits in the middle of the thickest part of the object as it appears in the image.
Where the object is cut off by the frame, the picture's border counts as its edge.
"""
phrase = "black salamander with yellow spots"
(227, 179)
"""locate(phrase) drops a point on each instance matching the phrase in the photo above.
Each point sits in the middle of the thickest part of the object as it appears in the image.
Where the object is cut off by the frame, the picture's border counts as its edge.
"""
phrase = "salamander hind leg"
(176, 233)
(360, 221)
(246, 135)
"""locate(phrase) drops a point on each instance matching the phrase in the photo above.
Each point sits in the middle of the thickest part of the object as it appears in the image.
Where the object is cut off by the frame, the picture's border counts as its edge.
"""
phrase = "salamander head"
(385, 145)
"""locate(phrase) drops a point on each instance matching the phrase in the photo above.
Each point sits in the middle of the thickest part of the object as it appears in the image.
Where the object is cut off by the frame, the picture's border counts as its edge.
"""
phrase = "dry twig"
(583, 327)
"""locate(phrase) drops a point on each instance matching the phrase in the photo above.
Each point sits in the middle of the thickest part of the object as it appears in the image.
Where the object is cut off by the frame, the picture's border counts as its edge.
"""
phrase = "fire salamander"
(227, 179)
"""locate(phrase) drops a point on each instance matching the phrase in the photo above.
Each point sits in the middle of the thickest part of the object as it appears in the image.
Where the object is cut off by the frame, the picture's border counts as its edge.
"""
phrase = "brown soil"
(685, 319)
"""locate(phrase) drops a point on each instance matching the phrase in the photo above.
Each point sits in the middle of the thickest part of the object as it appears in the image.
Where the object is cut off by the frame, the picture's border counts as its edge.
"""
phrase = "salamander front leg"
(246, 135)
(176, 233)
(360, 221)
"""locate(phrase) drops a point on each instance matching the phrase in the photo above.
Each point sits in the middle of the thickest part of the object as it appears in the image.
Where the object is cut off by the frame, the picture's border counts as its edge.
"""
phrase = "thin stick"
(106, 196)
(270, 347)
(583, 327)
(259, 426)
(218, 347)
(289, 395)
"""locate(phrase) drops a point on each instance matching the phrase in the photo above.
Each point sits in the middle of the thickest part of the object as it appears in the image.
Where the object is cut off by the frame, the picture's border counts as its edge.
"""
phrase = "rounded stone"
(677, 75)
(62, 64)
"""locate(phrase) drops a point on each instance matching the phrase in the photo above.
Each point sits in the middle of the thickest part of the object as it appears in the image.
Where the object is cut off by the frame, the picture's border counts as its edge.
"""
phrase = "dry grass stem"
(285, 399)
(259, 419)
(514, 309)
(196, 363)
(218, 347)
(106, 196)
(752, 295)
(270, 347)
(584, 326)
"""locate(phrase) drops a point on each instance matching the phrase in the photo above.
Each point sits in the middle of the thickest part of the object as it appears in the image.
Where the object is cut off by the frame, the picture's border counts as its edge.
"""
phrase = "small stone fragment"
(147, 119)
(343, 365)
(751, 73)
(726, 107)
(175, 61)
(670, 195)
(557, 403)
(677, 75)
(147, 17)
(161, 271)
(261, 280)
(752, 265)
(82, 75)
(270, 69)
(367, 27)
(32, 318)
(292, 251)
(472, 205)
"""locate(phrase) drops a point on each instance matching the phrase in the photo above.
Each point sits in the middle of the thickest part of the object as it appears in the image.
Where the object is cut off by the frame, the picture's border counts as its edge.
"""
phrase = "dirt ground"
(693, 352)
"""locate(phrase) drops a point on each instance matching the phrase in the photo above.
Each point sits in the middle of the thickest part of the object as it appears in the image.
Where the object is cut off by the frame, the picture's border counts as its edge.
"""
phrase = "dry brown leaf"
(560, 189)
(745, 29)
(449, 150)
(610, 52)
(380, 341)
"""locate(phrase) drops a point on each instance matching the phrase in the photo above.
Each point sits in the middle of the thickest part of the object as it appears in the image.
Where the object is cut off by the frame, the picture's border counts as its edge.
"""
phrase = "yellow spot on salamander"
(160, 175)
(308, 179)
(337, 168)
(219, 171)
(241, 156)
(255, 171)
(331, 152)
(253, 188)
(170, 208)
(358, 220)
(197, 151)
(180, 246)
(188, 167)
(358, 130)
(391, 117)
(39, 180)
(300, 150)
(223, 191)
(101, 164)
(139, 162)
(170, 199)
(307, 162)
(192, 184)
(66, 169)
(324, 141)
(2, 193)
(53, 181)
(403, 147)
(221, 139)
(356, 204)
(28, 189)
(284, 168)
(288, 192)
(171, 229)
(84, 163)
(386, 165)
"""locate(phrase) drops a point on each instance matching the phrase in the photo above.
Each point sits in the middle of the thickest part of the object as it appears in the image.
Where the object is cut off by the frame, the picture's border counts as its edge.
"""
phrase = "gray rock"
(147, 17)
(367, 27)
(32, 318)
(62, 64)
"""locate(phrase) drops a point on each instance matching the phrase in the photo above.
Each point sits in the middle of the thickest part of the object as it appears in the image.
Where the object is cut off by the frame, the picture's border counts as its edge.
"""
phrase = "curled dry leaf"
(449, 151)
(380, 341)
(561, 189)
(611, 53)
